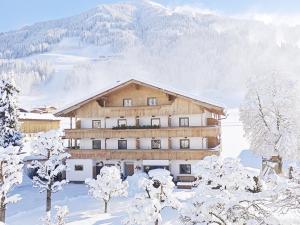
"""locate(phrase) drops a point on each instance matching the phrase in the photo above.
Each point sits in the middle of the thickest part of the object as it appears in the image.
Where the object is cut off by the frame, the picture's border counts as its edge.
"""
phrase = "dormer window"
(127, 102)
(151, 101)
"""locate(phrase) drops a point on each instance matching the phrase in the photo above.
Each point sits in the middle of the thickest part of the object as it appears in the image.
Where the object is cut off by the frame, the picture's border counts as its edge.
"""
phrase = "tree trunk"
(2, 211)
(48, 201)
(105, 206)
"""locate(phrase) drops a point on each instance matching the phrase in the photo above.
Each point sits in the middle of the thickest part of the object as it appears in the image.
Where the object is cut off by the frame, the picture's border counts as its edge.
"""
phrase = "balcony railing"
(206, 131)
(157, 154)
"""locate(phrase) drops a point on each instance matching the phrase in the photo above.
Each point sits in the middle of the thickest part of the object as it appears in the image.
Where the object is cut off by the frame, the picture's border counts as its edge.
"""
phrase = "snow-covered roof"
(119, 84)
(37, 116)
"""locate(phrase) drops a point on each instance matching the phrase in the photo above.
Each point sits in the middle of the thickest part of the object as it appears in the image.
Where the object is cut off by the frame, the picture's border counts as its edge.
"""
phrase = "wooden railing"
(142, 133)
(212, 122)
(186, 154)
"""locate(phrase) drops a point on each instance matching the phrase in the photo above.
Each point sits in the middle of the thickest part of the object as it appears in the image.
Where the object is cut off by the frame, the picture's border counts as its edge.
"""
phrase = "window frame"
(127, 99)
(180, 143)
(96, 121)
(184, 118)
(81, 167)
(181, 171)
(148, 101)
(154, 140)
(155, 119)
(93, 145)
(122, 140)
(122, 120)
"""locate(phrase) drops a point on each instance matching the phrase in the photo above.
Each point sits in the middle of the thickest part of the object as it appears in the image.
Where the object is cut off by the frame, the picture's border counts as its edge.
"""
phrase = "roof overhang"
(69, 110)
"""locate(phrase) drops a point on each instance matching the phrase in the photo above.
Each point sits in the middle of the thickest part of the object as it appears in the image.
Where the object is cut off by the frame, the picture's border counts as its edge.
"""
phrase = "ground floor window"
(148, 168)
(185, 169)
(78, 168)
(96, 144)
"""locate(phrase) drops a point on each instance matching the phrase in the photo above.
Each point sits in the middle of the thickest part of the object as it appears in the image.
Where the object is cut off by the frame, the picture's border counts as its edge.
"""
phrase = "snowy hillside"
(205, 54)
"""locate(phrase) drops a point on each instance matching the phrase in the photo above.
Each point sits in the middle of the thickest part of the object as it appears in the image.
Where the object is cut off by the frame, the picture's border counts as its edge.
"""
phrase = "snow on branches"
(107, 185)
(227, 194)
(9, 134)
(158, 194)
(48, 172)
(269, 116)
(50, 146)
(11, 171)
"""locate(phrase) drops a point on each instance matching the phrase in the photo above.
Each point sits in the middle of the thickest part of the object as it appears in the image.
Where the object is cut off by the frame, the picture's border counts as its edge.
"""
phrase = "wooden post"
(138, 143)
(169, 143)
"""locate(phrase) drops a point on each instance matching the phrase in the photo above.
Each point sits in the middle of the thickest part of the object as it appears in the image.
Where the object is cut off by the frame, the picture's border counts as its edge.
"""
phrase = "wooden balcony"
(143, 133)
(161, 154)
(213, 122)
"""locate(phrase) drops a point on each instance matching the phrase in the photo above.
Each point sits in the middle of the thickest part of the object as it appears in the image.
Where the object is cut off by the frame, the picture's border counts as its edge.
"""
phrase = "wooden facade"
(30, 126)
(143, 154)
(142, 133)
(109, 104)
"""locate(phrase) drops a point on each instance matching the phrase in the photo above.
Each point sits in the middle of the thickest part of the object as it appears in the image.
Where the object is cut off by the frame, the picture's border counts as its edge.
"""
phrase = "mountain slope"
(205, 54)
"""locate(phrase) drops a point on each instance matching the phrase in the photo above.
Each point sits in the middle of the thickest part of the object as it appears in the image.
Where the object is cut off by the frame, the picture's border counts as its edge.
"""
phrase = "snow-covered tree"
(9, 133)
(48, 178)
(11, 171)
(158, 194)
(269, 116)
(107, 185)
(228, 193)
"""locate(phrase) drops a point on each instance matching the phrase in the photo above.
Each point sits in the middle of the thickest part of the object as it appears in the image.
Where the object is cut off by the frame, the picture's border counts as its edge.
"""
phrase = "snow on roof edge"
(151, 83)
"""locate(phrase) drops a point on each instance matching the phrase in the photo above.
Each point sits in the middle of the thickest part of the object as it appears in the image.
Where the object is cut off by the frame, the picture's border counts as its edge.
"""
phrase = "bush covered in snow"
(107, 185)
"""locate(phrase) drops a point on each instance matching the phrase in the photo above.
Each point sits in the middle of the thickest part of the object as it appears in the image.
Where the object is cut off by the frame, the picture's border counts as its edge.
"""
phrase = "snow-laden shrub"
(107, 185)
(133, 183)
(158, 194)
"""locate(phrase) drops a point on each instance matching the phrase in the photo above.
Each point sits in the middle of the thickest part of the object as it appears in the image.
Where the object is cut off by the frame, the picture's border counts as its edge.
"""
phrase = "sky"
(15, 14)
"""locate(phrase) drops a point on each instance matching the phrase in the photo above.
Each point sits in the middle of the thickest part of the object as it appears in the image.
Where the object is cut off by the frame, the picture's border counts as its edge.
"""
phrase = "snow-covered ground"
(84, 210)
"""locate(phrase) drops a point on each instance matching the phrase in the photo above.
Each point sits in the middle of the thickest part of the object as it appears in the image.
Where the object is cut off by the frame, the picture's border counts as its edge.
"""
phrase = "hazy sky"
(17, 13)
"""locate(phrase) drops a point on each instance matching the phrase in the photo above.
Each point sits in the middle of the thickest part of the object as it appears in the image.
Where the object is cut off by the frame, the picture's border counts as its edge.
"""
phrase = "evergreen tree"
(9, 133)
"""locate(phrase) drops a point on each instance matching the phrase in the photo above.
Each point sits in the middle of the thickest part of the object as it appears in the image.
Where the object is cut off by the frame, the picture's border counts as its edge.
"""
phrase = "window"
(184, 143)
(151, 101)
(122, 123)
(96, 144)
(184, 122)
(122, 144)
(155, 144)
(155, 122)
(78, 168)
(185, 169)
(96, 123)
(127, 102)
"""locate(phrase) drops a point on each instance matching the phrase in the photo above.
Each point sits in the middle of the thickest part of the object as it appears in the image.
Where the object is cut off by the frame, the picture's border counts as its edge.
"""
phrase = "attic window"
(151, 101)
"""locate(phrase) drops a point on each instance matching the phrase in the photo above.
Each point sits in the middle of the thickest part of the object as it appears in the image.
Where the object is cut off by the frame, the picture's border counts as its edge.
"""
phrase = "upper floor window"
(184, 122)
(155, 144)
(96, 123)
(122, 144)
(78, 167)
(184, 143)
(185, 169)
(96, 144)
(151, 101)
(127, 102)
(155, 122)
(122, 123)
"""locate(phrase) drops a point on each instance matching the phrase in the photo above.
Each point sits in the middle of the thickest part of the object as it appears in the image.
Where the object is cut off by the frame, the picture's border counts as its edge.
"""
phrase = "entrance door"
(129, 169)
